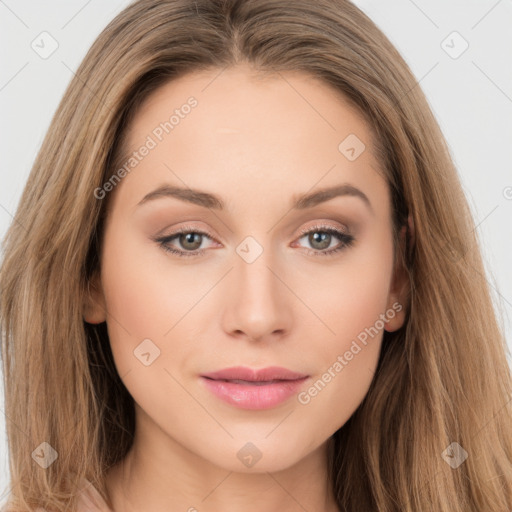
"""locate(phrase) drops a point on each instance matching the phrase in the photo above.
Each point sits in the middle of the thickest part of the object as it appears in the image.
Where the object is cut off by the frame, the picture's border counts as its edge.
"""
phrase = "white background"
(471, 97)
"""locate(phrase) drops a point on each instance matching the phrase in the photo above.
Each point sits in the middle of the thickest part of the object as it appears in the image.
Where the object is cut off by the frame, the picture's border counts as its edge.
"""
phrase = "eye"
(189, 238)
(320, 238)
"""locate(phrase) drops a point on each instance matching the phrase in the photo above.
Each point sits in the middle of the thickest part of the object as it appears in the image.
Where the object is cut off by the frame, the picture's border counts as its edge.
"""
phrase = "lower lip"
(252, 396)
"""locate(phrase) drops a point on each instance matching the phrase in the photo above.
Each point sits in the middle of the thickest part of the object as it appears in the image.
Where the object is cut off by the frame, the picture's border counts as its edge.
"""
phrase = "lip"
(263, 374)
(261, 389)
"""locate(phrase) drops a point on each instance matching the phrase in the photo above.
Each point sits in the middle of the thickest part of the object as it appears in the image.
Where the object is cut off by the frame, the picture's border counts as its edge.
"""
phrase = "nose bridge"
(256, 282)
(258, 304)
(255, 277)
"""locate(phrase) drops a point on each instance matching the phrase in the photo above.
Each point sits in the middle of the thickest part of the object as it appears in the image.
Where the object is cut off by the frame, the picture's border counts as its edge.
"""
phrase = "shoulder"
(90, 500)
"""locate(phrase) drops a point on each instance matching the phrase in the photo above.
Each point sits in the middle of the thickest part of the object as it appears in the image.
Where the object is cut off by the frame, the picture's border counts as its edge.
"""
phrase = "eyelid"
(187, 228)
(324, 225)
(317, 224)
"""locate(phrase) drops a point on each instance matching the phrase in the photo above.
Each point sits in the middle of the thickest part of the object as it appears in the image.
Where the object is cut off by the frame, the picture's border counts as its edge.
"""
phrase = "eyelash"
(346, 240)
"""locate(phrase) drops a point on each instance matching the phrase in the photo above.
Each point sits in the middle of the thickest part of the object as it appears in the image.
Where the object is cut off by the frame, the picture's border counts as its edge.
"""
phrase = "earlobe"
(398, 299)
(94, 306)
(395, 316)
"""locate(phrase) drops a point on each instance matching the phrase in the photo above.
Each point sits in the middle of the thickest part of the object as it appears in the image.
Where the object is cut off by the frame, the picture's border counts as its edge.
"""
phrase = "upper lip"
(254, 375)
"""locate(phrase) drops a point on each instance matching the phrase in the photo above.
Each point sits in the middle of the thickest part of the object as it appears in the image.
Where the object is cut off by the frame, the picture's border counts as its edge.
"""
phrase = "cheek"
(354, 297)
(142, 304)
(353, 307)
(141, 286)
(149, 298)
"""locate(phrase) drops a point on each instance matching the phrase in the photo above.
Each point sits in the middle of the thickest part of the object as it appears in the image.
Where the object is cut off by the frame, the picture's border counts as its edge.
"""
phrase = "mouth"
(254, 389)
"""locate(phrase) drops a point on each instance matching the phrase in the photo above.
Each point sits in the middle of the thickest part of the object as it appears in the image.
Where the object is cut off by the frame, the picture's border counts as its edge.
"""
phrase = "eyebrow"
(299, 202)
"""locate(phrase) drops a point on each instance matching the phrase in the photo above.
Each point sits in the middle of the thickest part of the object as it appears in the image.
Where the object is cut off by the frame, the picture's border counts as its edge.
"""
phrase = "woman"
(172, 339)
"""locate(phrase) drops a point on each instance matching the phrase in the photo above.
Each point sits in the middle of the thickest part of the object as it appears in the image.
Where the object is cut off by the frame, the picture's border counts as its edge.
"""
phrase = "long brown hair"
(442, 378)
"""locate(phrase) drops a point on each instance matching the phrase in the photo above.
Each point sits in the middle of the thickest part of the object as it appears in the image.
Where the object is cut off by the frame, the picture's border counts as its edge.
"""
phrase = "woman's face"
(272, 272)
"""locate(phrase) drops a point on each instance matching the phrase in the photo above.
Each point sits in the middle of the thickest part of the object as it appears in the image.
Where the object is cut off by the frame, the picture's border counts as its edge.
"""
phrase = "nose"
(258, 303)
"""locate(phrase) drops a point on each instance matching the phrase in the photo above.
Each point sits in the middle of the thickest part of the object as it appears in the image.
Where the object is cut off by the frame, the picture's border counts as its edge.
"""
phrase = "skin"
(257, 143)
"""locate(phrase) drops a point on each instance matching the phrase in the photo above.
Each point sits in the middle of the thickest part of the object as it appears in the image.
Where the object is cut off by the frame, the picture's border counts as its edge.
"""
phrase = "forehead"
(247, 98)
(267, 132)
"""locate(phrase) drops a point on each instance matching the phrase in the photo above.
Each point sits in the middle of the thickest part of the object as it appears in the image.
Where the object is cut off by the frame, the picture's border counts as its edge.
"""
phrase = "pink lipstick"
(254, 389)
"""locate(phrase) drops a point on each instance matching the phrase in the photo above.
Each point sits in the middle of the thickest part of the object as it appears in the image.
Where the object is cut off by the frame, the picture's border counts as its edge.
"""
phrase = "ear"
(94, 306)
(398, 298)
